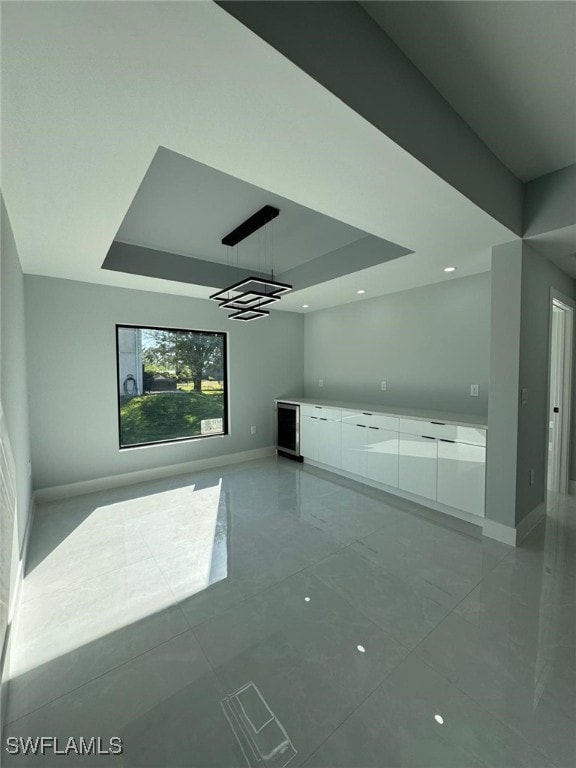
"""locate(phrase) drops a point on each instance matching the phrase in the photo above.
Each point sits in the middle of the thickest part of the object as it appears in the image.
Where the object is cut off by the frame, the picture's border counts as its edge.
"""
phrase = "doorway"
(559, 389)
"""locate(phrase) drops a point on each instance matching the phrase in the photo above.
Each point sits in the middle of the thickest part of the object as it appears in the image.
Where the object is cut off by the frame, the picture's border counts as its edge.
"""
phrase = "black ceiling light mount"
(253, 223)
(248, 297)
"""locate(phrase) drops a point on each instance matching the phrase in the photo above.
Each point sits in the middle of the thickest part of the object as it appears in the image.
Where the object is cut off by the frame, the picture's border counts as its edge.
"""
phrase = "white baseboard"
(513, 536)
(490, 528)
(503, 533)
(427, 503)
(530, 522)
(572, 487)
(57, 492)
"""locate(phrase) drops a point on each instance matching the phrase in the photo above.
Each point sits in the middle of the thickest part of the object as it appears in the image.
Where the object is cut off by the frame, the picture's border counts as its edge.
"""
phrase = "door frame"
(565, 406)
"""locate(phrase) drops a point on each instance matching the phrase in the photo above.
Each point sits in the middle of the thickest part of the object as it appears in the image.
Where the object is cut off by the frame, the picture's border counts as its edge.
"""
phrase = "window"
(172, 384)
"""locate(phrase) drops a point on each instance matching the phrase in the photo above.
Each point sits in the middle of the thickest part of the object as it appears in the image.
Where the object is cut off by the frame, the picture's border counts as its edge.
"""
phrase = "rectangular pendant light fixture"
(249, 300)
(253, 286)
(246, 315)
(248, 296)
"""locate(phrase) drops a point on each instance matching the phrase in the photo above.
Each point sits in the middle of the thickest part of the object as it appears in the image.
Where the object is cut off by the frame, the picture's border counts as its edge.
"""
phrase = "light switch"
(474, 390)
(523, 396)
(320, 382)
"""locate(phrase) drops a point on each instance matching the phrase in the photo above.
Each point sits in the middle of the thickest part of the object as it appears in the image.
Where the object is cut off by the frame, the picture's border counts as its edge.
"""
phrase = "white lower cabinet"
(461, 471)
(320, 440)
(370, 452)
(309, 437)
(329, 442)
(418, 465)
(353, 448)
(381, 456)
(369, 445)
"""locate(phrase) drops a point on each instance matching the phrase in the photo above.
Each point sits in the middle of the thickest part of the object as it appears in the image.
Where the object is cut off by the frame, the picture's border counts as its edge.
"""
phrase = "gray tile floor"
(378, 633)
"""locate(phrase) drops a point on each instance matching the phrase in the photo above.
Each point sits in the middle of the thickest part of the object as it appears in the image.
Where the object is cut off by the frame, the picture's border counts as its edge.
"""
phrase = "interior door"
(559, 389)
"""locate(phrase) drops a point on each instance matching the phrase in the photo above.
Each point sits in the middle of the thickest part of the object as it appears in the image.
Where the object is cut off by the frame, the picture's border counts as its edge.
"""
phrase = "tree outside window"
(171, 384)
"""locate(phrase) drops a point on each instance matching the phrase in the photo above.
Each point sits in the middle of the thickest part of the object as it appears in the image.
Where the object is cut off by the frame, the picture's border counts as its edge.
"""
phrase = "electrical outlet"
(474, 390)
(383, 386)
(531, 477)
(320, 382)
(523, 396)
(252, 430)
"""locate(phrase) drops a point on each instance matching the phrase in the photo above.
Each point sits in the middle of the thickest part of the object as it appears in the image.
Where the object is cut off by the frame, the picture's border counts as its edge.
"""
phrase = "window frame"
(174, 440)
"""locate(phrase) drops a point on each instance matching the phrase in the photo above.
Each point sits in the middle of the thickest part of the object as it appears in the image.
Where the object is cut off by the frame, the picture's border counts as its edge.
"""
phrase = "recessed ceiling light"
(307, 599)
(439, 719)
(361, 648)
(449, 269)
(361, 291)
(304, 306)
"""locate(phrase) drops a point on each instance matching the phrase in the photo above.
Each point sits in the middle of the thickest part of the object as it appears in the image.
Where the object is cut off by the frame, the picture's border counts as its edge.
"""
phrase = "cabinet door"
(330, 442)
(461, 473)
(418, 465)
(381, 456)
(353, 446)
(309, 437)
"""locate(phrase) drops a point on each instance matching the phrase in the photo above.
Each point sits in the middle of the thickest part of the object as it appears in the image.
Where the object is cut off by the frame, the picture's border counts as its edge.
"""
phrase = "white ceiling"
(92, 90)
(507, 68)
(187, 208)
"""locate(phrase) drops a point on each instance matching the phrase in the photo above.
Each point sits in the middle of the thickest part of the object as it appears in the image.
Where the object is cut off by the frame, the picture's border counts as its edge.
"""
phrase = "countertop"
(423, 414)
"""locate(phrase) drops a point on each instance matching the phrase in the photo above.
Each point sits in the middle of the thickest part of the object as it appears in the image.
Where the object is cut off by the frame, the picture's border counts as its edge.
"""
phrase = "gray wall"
(573, 442)
(550, 202)
(13, 375)
(14, 399)
(517, 434)
(505, 331)
(72, 369)
(428, 343)
(385, 87)
(538, 276)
